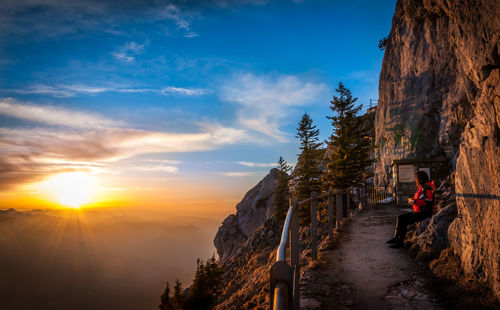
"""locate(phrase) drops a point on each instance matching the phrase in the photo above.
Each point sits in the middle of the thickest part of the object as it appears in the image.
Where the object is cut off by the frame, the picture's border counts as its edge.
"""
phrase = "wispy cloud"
(238, 174)
(164, 161)
(231, 3)
(72, 90)
(128, 52)
(184, 91)
(181, 18)
(259, 165)
(52, 18)
(264, 101)
(49, 115)
(89, 142)
(169, 169)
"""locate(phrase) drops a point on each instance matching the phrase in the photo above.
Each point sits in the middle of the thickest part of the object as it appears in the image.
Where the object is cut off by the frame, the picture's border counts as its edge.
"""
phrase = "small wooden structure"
(403, 171)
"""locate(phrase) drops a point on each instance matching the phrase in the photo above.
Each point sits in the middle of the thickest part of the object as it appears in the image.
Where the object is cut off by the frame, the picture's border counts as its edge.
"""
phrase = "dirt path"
(364, 273)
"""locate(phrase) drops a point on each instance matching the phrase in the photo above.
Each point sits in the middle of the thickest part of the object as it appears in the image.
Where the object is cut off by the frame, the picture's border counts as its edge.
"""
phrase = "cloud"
(191, 35)
(40, 19)
(173, 12)
(165, 161)
(72, 90)
(265, 101)
(238, 174)
(28, 155)
(53, 116)
(169, 169)
(90, 142)
(129, 51)
(182, 18)
(233, 3)
(252, 164)
(184, 91)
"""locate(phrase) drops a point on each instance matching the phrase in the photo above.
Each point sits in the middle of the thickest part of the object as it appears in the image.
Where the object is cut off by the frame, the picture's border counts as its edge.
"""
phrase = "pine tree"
(307, 168)
(178, 296)
(206, 287)
(165, 299)
(281, 193)
(350, 141)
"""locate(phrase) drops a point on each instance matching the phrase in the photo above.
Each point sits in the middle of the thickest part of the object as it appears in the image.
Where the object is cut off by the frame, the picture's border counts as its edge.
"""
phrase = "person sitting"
(423, 207)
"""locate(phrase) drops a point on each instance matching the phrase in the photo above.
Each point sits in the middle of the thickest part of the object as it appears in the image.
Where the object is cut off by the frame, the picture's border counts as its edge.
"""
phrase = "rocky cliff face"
(251, 213)
(246, 242)
(439, 96)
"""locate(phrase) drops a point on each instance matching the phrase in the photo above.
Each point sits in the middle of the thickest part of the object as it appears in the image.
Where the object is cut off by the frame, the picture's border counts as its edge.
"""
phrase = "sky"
(173, 106)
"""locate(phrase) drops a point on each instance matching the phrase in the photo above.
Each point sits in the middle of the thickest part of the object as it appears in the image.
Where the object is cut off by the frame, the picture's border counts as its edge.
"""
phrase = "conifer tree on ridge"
(350, 142)
(307, 171)
(281, 193)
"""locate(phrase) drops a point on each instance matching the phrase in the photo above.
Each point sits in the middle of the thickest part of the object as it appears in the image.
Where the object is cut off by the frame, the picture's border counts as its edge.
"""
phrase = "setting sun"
(72, 189)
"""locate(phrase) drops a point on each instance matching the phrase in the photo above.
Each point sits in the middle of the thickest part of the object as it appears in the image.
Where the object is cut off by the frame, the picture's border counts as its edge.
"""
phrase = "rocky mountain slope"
(439, 95)
(251, 213)
(245, 243)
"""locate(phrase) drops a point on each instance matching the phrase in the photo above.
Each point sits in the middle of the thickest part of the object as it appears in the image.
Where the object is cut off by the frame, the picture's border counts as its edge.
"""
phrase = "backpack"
(429, 203)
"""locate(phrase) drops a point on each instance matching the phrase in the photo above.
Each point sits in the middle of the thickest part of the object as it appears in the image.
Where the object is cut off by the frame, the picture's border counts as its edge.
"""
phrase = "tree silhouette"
(206, 287)
(165, 299)
(178, 296)
(350, 142)
(203, 293)
(281, 193)
(307, 171)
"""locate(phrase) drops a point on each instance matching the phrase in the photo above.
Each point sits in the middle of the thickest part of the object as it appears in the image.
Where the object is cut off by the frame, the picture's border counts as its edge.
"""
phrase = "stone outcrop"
(251, 213)
(439, 96)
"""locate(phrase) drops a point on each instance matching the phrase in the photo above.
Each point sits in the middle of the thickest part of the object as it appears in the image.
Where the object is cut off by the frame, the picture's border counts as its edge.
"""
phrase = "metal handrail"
(286, 226)
(284, 235)
(284, 278)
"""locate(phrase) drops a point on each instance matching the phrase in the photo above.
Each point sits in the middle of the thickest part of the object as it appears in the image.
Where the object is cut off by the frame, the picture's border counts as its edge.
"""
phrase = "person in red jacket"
(423, 207)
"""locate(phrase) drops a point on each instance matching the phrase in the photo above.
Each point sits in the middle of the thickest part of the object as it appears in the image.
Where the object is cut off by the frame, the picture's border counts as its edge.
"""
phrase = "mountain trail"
(362, 272)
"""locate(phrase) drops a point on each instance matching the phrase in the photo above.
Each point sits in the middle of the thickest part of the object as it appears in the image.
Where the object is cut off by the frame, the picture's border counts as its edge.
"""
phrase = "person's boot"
(393, 240)
(398, 244)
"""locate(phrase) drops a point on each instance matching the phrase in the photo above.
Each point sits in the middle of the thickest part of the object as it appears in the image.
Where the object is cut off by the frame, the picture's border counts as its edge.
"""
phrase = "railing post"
(365, 196)
(294, 256)
(330, 214)
(280, 285)
(314, 219)
(344, 207)
(357, 204)
(338, 206)
(348, 207)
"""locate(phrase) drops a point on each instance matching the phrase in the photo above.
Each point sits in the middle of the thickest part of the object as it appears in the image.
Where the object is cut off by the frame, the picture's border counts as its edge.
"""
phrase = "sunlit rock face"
(439, 96)
(251, 212)
(246, 243)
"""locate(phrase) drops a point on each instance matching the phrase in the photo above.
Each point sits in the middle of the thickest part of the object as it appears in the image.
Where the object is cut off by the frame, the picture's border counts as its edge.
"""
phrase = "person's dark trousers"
(406, 219)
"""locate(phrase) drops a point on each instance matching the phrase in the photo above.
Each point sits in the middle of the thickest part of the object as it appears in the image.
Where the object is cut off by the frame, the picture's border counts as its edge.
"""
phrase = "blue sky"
(190, 92)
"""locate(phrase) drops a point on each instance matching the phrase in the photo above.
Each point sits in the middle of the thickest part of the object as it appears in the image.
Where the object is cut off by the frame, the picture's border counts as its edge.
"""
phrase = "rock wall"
(439, 96)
